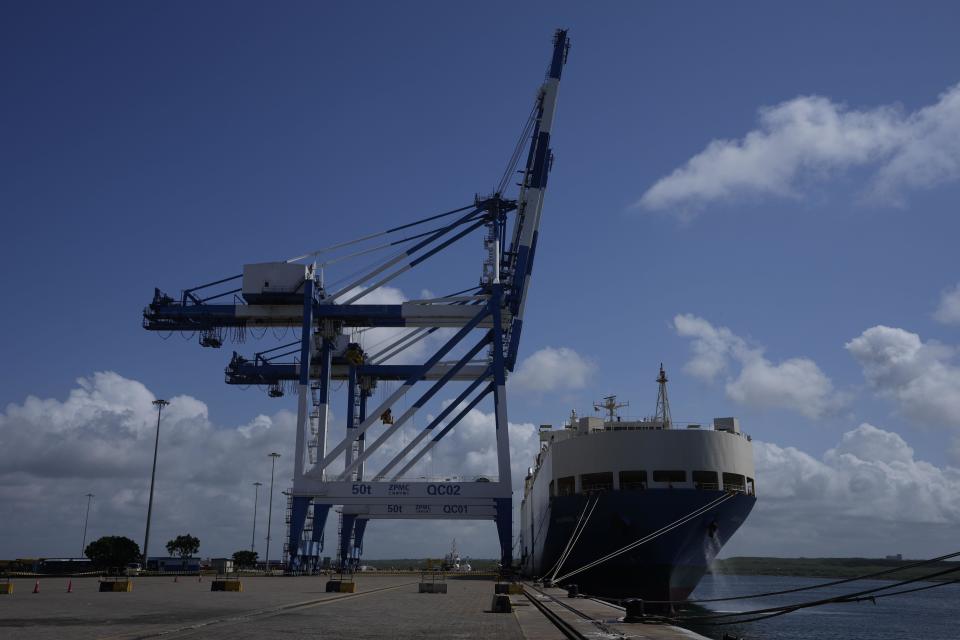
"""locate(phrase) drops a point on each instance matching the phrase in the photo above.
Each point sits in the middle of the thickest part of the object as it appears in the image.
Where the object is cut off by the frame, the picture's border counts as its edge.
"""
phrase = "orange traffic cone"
(36, 587)
(70, 586)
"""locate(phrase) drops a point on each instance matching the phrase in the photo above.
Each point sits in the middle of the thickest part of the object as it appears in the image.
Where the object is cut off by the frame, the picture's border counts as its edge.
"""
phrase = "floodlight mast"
(485, 318)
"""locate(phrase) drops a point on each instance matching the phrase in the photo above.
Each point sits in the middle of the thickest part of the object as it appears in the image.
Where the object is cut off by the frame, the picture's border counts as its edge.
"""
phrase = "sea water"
(933, 614)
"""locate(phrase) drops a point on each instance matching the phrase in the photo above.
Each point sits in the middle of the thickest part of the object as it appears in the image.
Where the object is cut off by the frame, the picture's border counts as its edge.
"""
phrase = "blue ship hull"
(666, 568)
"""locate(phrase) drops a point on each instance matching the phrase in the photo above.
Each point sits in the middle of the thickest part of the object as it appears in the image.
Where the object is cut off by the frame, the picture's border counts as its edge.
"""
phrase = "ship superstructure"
(634, 507)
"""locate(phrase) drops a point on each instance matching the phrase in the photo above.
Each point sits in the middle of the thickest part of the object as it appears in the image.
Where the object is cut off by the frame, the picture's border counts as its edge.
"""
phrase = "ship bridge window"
(734, 482)
(633, 480)
(709, 480)
(566, 486)
(597, 482)
(670, 476)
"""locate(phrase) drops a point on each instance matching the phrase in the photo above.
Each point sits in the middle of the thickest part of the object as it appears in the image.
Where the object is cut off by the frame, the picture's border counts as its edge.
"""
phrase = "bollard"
(226, 584)
(501, 603)
(573, 591)
(547, 583)
(635, 612)
(116, 586)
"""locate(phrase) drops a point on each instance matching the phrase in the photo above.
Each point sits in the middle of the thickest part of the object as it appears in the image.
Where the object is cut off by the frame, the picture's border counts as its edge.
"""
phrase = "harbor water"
(925, 615)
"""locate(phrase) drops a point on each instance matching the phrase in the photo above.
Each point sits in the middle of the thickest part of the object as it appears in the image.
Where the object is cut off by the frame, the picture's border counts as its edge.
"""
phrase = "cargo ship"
(634, 508)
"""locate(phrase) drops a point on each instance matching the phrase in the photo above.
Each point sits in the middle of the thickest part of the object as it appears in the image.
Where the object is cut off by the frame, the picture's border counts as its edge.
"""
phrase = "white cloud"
(553, 369)
(948, 311)
(797, 384)
(919, 375)
(866, 496)
(812, 137)
(99, 439)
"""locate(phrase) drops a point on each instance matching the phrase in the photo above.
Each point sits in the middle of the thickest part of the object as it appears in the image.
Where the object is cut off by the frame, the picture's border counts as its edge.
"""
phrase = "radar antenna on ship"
(662, 414)
(610, 405)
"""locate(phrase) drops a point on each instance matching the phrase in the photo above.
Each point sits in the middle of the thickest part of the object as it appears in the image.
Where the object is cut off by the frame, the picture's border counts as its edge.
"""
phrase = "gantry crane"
(487, 320)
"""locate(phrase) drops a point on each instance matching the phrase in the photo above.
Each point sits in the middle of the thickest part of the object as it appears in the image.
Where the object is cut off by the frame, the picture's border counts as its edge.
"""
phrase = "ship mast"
(610, 405)
(662, 414)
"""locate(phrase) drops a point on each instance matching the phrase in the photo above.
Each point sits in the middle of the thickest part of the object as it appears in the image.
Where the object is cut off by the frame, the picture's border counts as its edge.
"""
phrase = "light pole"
(159, 404)
(256, 495)
(86, 520)
(273, 467)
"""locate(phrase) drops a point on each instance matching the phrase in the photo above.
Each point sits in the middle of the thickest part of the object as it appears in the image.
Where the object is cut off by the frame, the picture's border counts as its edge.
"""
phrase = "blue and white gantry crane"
(485, 320)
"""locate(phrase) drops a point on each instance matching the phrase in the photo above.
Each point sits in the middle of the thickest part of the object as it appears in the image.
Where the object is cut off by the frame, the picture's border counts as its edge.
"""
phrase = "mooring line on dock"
(265, 613)
(565, 627)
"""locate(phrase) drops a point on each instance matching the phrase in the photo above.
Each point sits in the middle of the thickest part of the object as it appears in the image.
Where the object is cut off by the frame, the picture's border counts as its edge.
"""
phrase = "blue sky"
(165, 144)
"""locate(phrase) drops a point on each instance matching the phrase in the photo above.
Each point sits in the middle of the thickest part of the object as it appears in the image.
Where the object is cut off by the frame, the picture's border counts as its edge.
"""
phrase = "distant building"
(222, 565)
(64, 565)
(899, 556)
(170, 564)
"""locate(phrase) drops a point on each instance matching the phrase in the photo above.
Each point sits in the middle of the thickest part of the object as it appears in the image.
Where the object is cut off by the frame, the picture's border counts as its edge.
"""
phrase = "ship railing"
(696, 426)
(739, 488)
(707, 486)
(633, 486)
(597, 488)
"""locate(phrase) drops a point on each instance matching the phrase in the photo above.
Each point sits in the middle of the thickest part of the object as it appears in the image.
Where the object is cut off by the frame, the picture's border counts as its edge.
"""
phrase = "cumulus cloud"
(553, 369)
(797, 384)
(867, 495)
(920, 376)
(812, 138)
(99, 439)
(948, 311)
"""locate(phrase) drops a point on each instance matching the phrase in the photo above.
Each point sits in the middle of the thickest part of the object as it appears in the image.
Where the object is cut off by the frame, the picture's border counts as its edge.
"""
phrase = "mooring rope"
(858, 596)
(576, 527)
(866, 576)
(573, 539)
(650, 536)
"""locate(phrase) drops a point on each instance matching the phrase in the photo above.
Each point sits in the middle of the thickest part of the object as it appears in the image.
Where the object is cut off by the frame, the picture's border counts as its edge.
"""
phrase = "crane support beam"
(437, 511)
(176, 317)
(248, 372)
(402, 491)
(421, 371)
(416, 406)
(450, 425)
(429, 428)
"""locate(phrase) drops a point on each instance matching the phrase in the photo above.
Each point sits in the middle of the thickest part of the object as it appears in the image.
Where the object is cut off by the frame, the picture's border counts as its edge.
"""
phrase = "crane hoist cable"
(379, 234)
(386, 245)
(518, 149)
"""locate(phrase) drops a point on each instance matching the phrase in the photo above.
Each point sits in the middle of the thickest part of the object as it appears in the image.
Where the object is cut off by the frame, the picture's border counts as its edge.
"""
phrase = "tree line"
(116, 552)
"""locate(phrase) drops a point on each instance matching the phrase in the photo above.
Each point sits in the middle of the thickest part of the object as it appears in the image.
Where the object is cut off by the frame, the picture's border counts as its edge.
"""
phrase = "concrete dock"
(383, 606)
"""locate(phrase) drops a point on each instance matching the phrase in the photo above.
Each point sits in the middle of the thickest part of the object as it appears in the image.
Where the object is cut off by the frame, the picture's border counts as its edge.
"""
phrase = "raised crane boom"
(328, 318)
(533, 188)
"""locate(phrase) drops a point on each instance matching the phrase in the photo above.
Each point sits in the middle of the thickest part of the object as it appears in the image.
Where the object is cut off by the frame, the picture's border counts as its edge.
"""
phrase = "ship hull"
(665, 568)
